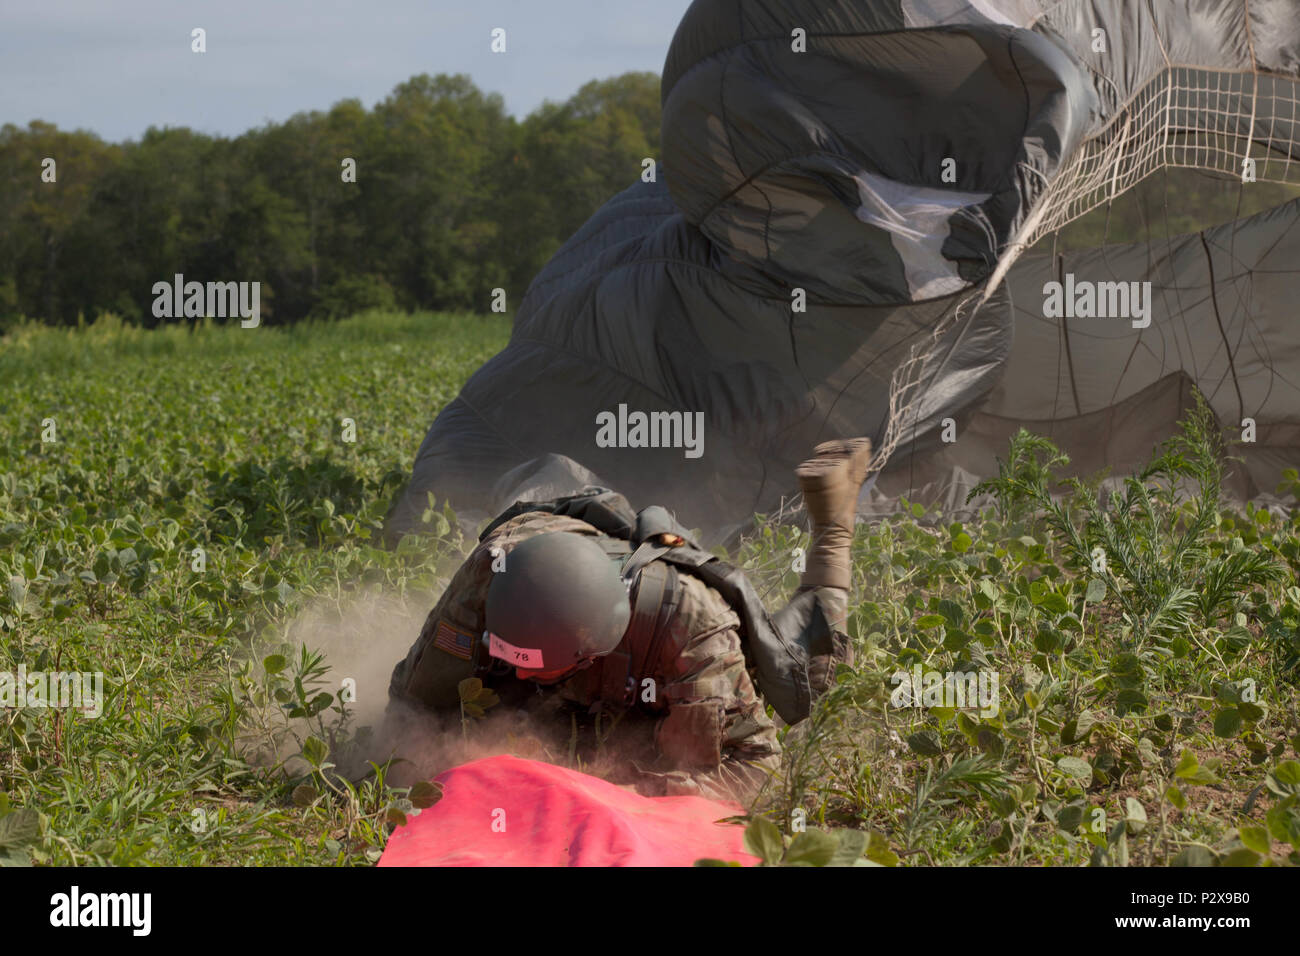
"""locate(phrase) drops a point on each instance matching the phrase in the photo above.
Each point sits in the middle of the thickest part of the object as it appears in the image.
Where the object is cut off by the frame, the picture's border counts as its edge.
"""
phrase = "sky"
(117, 67)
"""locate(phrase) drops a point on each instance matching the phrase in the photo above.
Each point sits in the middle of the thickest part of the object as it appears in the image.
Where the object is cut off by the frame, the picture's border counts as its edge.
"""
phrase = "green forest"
(452, 198)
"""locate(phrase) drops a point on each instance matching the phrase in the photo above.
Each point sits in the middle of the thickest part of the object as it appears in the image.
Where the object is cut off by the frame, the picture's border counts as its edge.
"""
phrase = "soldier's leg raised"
(816, 618)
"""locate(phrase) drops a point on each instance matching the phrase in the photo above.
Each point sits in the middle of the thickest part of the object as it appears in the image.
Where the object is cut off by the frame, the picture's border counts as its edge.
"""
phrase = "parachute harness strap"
(645, 554)
(656, 598)
(668, 602)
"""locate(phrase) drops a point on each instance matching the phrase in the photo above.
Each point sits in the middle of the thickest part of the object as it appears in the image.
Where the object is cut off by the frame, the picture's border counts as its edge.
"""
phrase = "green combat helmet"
(559, 603)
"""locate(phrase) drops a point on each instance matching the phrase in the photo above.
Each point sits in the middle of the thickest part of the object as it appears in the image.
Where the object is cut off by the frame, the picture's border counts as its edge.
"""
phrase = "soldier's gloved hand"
(675, 783)
(683, 784)
(678, 783)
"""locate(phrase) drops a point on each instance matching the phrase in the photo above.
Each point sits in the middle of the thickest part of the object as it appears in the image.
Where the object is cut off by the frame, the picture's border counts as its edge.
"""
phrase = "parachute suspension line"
(1260, 342)
(1105, 254)
(1270, 147)
(1218, 318)
(1069, 355)
(794, 345)
(1178, 291)
(1061, 335)
(903, 384)
(1104, 249)
(1148, 235)
(1250, 38)
(1288, 150)
(916, 414)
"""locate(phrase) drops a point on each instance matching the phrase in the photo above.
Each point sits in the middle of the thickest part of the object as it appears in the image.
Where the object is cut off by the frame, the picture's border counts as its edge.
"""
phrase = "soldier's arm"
(716, 739)
(442, 655)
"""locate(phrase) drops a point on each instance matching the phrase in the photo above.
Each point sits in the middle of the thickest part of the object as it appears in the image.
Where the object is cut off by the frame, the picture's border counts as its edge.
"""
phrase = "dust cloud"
(362, 638)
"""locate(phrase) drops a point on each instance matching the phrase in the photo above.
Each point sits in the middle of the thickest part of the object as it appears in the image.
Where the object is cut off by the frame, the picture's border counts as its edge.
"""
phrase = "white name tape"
(529, 658)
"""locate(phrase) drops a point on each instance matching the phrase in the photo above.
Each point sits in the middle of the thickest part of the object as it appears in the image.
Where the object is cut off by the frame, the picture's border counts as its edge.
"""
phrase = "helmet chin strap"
(484, 663)
(564, 675)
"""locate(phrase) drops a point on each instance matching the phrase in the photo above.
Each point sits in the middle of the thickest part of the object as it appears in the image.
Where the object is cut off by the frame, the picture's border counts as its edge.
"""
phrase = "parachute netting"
(1241, 125)
(1185, 118)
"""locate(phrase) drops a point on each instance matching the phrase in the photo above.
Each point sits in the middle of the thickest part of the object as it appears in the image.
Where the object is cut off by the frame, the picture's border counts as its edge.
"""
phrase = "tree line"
(452, 198)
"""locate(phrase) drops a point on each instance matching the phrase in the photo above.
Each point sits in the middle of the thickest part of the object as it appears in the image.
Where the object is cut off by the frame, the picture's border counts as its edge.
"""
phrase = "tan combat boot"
(831, 481)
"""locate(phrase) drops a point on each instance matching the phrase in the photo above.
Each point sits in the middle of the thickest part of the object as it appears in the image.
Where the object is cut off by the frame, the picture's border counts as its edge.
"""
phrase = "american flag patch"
(454, 641)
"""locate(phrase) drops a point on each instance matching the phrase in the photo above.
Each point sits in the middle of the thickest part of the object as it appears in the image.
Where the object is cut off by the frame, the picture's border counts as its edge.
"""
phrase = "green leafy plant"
(811, 847)
(22, 831)
(173, 541)
(959, 781)
(475, 699)
(1149, 544)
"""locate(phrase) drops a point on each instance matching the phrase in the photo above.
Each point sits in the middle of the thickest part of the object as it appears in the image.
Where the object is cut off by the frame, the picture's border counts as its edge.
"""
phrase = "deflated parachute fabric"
(1142, 39)
(817, 171)
(843, 188)
(1107, 392)
(823, 169)
(506, 811)
(656, 329)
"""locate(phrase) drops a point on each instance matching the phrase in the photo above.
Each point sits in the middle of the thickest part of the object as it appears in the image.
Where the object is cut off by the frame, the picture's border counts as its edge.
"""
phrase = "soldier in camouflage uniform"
(660, 653)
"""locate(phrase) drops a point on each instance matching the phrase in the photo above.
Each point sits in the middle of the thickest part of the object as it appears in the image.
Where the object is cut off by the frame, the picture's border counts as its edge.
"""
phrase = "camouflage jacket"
(696, 725)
